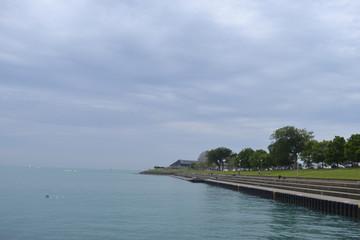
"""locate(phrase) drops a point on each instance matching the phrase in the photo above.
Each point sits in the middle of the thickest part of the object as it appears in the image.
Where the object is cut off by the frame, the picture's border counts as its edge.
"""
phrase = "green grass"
(344, 173)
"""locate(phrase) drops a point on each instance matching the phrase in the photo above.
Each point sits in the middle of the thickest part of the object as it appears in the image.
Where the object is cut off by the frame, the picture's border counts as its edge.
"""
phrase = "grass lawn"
(344, 173)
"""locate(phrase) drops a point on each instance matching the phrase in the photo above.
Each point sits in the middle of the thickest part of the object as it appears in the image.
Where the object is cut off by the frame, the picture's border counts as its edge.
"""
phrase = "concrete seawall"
(335, 205)
(334, 196)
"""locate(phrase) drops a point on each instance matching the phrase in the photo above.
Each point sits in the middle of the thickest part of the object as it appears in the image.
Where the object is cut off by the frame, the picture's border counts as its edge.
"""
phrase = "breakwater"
(335, 196)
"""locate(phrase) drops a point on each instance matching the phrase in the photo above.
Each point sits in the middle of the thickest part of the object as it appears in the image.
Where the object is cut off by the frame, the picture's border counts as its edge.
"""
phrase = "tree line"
(288, 144)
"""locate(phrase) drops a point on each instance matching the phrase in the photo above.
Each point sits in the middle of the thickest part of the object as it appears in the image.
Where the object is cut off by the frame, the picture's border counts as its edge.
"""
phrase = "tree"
(232, 161)
(194, 165)
(287, 143)
(244, 156)
(352, 148)
(280, 154)
(336, 150)
(307, 155)
(204, 165)
(219, 156)
(269, 161)
(314, 151)
(320, 152)
(259, 159)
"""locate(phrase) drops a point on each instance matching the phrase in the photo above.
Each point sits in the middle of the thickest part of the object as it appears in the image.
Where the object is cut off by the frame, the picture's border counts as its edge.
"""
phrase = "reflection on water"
(258, 218)
(295, 222)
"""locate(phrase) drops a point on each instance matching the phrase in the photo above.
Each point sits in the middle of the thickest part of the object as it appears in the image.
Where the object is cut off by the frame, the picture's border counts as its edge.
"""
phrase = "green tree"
(244, 156)
(232, 161)
(320, 152)
(307, 155)
(194, 165)
(219, 156)
(259, 159)
(204, 165)
(352, 148)
(336, 150)
(279, 153)
(287, 143)
(267, 160)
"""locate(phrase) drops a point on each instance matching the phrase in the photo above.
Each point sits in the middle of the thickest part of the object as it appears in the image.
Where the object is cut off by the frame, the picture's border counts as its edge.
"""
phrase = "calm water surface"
(108, 204)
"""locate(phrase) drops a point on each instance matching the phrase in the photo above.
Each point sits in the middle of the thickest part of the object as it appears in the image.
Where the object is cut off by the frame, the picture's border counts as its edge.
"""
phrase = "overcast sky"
(129, 84)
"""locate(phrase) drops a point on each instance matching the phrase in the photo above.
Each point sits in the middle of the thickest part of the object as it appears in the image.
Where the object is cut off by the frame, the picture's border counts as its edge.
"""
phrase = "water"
(108, 204)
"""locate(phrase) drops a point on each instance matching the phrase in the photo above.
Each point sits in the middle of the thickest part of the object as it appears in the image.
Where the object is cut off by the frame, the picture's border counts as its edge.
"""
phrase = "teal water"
(109, 204)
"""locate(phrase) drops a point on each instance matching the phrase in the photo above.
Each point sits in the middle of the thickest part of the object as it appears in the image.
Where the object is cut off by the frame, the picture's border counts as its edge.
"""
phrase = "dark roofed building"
(182, 164)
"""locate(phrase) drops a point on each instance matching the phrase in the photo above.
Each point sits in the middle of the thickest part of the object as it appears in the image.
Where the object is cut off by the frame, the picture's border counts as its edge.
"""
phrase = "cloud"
(181, 75)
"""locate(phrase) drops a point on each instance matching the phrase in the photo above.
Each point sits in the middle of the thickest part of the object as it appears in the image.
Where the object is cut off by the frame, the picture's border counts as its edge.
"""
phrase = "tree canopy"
(336, 150)
(352, 150)
(320, 151)
(219, 156)
(258, 158)
(244, 157)
(287, 143)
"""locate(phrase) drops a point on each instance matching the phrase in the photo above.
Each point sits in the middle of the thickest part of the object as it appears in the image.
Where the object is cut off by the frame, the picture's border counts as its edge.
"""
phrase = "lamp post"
(297, 166)
(239, 166)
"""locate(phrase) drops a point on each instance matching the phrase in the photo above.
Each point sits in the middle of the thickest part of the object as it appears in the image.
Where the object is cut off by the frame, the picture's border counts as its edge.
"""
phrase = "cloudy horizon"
(132, 84)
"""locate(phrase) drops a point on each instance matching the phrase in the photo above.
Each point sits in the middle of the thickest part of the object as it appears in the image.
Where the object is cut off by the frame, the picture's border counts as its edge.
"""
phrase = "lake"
(50, 203)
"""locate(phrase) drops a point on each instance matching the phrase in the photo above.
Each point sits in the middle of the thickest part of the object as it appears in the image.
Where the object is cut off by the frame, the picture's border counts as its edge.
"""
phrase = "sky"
(130, 84)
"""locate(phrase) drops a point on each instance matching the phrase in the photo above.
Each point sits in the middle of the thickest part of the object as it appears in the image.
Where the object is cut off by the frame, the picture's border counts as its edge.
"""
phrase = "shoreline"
(334, 196)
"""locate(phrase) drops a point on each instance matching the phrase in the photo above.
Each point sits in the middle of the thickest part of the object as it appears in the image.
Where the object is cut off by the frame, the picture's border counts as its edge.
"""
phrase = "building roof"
(181, 162)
